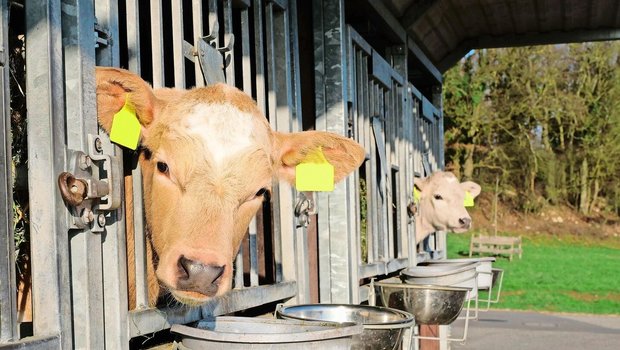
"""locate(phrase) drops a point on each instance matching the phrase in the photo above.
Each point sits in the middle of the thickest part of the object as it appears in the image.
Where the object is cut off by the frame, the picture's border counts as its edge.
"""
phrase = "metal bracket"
(102, 36)
(213, 59)
(92, 185)
(303, 209)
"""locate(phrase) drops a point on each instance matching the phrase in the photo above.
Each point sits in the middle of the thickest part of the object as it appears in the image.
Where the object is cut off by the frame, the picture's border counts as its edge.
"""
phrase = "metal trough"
(230, 333)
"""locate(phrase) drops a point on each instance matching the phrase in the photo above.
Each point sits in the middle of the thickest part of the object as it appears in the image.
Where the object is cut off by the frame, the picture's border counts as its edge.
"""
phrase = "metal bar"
(246, 60)
(157, 44)
(228, 36)
(8, 308)
(139, 234)
(34, 343)
(272, 108)
(114, 252)
(133, 35)
(253, 231)
(80, 97)
(46, 154)
(177, 44)
(332, 115)
(259, 42)
(153, 320)
(197, 27)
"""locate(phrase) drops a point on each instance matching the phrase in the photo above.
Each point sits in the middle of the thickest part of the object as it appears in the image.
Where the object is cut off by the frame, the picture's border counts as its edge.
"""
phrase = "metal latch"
(92, 185)
(304, 208)
(213, 59)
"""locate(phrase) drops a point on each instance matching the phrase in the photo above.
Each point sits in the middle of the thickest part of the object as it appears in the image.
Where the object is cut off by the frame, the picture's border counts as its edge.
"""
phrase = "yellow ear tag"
(416, 195)
(469, 200)
(314, 173)
(126, 127)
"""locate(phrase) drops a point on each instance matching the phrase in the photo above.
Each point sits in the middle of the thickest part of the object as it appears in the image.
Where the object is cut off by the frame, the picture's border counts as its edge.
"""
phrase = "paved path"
(508, 330)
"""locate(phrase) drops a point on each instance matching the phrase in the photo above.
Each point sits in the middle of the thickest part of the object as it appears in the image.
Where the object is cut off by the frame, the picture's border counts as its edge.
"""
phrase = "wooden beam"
(556, 37)
(415, 11)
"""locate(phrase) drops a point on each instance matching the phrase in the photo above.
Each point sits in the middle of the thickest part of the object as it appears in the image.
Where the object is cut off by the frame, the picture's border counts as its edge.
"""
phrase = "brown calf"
(209, 156)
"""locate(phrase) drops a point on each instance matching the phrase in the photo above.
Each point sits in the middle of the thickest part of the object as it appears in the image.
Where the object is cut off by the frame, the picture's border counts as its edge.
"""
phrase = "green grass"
(560, 275)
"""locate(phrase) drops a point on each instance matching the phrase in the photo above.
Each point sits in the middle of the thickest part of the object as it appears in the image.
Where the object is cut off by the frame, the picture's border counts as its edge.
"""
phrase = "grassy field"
(560, 275)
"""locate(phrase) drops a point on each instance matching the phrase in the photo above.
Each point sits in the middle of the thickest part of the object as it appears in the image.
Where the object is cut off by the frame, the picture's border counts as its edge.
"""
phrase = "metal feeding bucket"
(484, 269)
(230, 333)
(430, 304)
(383, 327)
(454, 275)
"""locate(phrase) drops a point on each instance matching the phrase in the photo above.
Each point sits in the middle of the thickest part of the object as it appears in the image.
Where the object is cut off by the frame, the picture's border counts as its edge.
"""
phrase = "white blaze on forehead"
(223, 129)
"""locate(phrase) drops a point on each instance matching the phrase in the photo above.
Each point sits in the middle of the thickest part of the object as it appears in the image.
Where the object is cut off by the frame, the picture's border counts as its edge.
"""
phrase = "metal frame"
(80, 276)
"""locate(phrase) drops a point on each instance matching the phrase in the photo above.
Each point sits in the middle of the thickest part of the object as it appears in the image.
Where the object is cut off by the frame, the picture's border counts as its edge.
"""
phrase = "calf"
(440, 205)
(209, 156)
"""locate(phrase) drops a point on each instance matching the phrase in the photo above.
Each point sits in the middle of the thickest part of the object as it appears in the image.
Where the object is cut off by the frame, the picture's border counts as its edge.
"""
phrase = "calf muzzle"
(195, 276)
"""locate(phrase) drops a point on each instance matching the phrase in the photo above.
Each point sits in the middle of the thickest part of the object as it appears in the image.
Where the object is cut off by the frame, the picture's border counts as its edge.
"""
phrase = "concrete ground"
(507, 330)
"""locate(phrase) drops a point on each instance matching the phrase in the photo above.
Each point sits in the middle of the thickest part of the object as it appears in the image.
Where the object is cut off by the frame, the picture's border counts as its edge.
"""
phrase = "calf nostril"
(464, 221)
(198, 277)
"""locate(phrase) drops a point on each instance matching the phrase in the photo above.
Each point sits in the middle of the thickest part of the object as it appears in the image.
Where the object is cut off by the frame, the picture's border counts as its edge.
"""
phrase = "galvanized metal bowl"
(383, 327)
(454, 275)
(429, 304)
(231, 333)
(484, 269)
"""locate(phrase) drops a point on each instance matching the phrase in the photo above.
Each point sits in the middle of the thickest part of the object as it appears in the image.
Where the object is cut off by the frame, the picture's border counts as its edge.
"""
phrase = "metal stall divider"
(8, 308)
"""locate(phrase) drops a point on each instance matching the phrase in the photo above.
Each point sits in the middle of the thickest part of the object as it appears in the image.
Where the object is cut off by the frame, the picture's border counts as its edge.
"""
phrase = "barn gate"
(334, 70)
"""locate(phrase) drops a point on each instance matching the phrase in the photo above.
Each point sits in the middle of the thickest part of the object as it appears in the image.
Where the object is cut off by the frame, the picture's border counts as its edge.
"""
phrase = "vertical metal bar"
(228, 35)
(253, 253)
(259, 43)
(114, 251)
(331, 108)
(157, 44)
(177, 44)
(197, 27)
(273, 107)
(140, 259)
(46, 153)
(300, 242)
(352, 182)
(8, 311)
(133, 35)
(246, 60)
(86, 249)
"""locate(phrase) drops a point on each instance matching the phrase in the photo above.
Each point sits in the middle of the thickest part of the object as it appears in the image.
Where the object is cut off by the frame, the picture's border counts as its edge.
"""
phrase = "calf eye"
(438, 197)
(261, 192)
(162, 167)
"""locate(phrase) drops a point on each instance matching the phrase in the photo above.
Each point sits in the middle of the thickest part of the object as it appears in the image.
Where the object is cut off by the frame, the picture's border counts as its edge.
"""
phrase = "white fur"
(224, 129)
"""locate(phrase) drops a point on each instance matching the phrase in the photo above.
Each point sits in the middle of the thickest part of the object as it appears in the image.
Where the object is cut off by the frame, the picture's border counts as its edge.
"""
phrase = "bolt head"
(98, 145)
(101, 220)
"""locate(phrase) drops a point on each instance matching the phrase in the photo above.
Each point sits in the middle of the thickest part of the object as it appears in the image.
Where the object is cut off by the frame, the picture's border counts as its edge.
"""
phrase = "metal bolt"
(85, 161)
(101, 220)
(98, 145)
(87, 215)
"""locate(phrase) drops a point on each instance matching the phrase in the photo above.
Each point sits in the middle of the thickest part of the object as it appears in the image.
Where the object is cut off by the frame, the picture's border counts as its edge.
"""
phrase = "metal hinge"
(92, 186)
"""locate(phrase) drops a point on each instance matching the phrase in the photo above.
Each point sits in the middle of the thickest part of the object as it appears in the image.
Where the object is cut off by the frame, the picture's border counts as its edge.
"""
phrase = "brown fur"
(201, 207)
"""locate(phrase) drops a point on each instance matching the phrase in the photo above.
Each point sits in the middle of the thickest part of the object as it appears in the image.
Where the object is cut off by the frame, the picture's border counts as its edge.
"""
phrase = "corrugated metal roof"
(447, 29)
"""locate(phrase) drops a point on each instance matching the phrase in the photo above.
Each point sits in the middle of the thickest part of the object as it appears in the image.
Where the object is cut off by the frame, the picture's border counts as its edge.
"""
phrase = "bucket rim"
(407, 319)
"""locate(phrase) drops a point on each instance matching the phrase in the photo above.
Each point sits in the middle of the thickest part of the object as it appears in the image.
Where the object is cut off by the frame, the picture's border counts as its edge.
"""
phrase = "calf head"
(209, 156)
(441, 204)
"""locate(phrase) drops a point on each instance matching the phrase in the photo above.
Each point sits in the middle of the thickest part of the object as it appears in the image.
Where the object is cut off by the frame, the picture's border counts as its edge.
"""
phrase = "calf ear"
(343, 153)
(419, 183)
(116, 86)
(471, 187)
